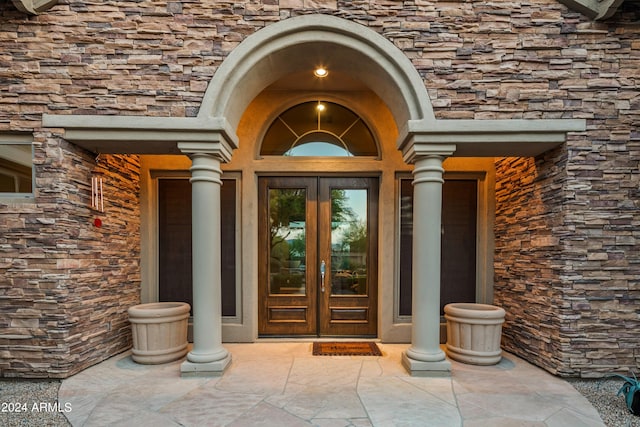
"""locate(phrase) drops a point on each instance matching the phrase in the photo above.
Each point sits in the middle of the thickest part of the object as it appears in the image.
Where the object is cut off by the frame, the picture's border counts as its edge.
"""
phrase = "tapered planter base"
(159, 332)
(474, 332)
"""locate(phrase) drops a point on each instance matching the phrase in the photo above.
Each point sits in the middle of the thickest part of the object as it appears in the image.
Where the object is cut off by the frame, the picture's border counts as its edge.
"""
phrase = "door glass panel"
(318, 148)
(287, 249)
(349, 242)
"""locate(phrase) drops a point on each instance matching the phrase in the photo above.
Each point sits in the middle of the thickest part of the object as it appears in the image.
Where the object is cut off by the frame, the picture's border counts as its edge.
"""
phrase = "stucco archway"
(300, 44)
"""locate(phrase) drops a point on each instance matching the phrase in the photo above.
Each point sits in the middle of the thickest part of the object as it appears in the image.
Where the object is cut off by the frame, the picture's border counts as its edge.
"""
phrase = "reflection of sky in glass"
(357, 201)
(295, 231)
(317, 149)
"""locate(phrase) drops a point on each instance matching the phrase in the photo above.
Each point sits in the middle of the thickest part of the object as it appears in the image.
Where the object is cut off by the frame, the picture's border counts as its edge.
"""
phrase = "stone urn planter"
(474, 332)
(159, 331)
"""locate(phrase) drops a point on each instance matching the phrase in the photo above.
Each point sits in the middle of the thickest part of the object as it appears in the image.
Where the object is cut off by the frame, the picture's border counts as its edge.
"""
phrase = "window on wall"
(16, 165)
(458, 245)
(318, 128)
(174, 249)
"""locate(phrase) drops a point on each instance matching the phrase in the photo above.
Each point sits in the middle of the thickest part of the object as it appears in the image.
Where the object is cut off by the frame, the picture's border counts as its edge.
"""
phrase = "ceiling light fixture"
(320, 72)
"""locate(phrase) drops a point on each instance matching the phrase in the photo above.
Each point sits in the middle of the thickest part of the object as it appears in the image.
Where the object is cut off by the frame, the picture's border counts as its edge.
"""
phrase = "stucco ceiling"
(304, 80)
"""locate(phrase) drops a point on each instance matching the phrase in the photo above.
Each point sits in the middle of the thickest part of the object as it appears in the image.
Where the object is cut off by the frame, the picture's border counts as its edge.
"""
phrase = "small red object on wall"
(97, 222)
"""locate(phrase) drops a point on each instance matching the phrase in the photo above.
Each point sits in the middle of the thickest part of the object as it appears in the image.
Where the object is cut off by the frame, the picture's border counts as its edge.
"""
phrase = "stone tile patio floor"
(282, 384)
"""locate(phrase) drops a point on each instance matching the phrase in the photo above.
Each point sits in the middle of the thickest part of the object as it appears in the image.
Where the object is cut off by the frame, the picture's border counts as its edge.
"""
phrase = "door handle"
(322, 270)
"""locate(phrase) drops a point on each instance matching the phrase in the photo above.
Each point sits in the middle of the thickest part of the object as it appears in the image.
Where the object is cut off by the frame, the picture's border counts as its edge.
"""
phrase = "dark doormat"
(338, 348)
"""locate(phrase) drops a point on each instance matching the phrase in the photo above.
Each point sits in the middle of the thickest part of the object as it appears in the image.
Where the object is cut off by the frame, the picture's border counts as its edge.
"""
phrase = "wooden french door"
(318, 256)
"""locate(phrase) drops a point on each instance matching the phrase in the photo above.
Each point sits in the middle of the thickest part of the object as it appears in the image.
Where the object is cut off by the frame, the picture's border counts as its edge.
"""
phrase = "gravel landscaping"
(603, 395)
(34, 402)
(30, 403)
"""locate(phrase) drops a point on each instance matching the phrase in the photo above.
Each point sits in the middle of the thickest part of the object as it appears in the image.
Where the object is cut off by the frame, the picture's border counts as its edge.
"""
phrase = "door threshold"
(308, 338)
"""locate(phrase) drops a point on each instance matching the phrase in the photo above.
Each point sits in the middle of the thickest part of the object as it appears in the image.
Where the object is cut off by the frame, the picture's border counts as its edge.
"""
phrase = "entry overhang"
(34, 7)
(594, 9)
(160, 135)
(138, 134)
(489, 138)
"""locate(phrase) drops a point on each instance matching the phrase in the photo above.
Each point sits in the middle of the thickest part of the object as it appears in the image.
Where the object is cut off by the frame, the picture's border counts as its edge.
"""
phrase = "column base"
(206, 369)
(418, 368)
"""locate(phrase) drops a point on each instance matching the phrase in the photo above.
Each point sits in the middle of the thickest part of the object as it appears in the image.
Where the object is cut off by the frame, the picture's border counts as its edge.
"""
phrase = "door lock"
(322, 270)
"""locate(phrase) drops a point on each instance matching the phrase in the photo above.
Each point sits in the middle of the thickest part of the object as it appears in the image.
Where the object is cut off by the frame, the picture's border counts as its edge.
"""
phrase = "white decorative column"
(425, 357)
(208, 357)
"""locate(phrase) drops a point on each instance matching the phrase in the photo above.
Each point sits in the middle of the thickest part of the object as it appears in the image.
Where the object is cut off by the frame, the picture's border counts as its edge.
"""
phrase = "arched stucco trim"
(272, 52)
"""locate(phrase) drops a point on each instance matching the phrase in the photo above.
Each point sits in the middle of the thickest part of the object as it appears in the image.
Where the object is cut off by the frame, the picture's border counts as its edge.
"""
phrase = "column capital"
(417, 146)
(428, 168)
(219, 148)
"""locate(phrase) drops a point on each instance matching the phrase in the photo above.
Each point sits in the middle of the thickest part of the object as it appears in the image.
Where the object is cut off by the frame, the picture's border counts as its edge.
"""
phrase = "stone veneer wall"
(573, 274)
(529, 259)
(567, 262)
(65, 284)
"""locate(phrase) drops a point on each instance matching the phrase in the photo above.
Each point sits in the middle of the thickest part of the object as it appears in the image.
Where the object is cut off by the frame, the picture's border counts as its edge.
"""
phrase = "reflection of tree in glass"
(298, 246)
(285, 206)
(355, 238)
(288, 206)
(340, 209)
(349, 239)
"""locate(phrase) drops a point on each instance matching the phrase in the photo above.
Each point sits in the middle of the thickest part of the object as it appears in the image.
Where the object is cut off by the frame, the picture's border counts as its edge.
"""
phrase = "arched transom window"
(318, 128)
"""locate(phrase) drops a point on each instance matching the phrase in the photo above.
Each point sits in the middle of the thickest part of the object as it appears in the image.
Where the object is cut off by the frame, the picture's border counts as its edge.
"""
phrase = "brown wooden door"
(318, 256)
(287, 266)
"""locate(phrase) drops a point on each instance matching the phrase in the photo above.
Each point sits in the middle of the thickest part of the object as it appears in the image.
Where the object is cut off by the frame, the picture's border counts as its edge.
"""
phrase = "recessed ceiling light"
(320, 107)
(320, 72)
